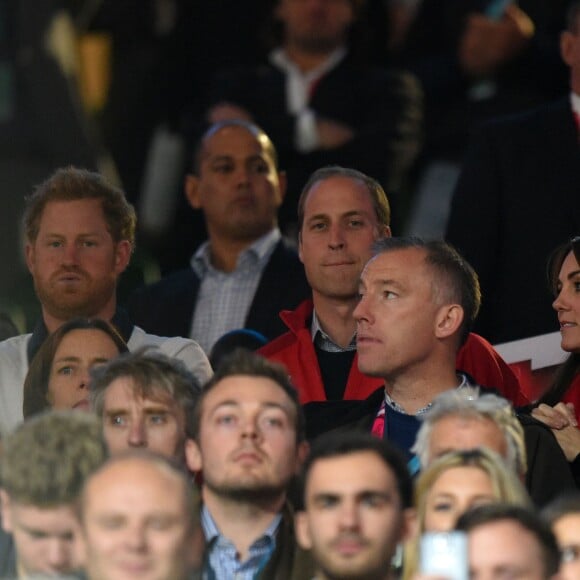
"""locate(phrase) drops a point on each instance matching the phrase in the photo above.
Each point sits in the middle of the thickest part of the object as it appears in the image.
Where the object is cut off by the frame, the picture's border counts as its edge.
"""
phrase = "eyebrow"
(76, 359)
(264, 405)
(572, 274)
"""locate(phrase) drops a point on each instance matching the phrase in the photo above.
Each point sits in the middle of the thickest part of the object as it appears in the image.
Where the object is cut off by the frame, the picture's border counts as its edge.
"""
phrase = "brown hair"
(71, 184)
(374, 188)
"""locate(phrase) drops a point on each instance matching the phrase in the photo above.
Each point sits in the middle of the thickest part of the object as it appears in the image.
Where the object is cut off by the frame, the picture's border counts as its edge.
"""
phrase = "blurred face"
(131, 421)
(567, 532)
(78, 352)
(247, 441)
(567, 303)
(459, 434)
(453, 493)
(504, 549)
(315, 25)
(239, 189)
(340, 227)
(396, 316)
(135, 524)
(75, 262)
(45, 539)
(353, 516)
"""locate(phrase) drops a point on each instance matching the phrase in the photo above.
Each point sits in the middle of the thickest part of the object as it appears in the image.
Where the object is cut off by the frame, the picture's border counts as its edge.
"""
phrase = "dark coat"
(166, 308)
(518, 197)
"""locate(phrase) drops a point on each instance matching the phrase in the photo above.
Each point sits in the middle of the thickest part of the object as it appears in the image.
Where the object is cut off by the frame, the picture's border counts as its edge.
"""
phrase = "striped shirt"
(224, 298)
(223, 561)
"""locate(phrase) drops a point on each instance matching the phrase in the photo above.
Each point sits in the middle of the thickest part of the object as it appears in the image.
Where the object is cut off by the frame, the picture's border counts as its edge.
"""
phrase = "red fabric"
(296, 351)
(573, 396)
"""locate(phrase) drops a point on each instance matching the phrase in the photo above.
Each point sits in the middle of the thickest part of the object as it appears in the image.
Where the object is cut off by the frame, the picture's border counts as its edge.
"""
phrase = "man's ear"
(193, 458)
(6, 512)
(567, 46)
(448, 320)
(122, 256)
(29, 255)
(302, 531)
(283, 180)
(191, 187)
(409, 525)
(301, 455)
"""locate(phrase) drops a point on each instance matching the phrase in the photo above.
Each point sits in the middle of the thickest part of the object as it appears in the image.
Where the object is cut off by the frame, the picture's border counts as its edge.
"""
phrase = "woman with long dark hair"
(559, 407)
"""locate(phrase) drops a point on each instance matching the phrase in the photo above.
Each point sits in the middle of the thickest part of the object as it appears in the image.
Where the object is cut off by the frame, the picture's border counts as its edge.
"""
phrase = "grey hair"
(468, 403)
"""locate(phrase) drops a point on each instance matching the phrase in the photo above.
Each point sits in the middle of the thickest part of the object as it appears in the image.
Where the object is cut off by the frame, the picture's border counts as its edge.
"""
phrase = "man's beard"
(249, 493)
(86, 302)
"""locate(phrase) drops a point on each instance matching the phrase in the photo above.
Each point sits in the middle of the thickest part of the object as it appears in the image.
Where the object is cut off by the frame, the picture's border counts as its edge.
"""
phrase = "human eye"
(161, 522)
(260, 166)
(326, 502)
(223, 167)
(389, 294)
(356, 222)
(89, 243)
(442, 506)
(111, 522)
(317, 226)
(117, 420)
(66, 370)
(273, 421)
(226, 420)
(373, 500)
(54, 243)
(158, 418)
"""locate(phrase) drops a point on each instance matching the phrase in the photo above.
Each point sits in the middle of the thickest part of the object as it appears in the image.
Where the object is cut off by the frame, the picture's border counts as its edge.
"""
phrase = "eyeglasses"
(575, 243)
(570, 553)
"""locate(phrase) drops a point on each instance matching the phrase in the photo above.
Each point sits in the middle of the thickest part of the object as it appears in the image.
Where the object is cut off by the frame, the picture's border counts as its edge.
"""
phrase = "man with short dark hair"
(43, 466)
(249, 443)
(245, 272)
(357, 496)
(145, 400)
(80, 234)
(506, 540)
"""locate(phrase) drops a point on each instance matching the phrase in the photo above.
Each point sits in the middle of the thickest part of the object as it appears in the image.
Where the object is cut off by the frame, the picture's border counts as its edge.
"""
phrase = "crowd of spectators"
(231, 361)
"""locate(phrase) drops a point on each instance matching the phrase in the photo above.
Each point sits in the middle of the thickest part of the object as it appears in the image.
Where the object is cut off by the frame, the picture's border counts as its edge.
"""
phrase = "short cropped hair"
(454, 279)
(468, 403)
(38, 376)
(251, 128)
(72, 184)
(164, 464)
(244, 363)
(152, 373)
(331, 445)
(46, 459)
(526, 518)
(374, 188)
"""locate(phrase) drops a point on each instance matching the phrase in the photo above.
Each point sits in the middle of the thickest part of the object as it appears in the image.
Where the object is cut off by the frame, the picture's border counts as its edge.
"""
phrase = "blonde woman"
(454, 483)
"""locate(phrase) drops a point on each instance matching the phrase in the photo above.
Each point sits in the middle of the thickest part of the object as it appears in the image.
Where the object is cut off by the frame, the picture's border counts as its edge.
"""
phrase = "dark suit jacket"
(383, 108)
(166, 308)
(518, 197)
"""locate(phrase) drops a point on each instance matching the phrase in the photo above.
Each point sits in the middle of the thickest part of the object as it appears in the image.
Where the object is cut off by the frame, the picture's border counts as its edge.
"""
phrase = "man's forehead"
(127, 389)
(351, 472)
(243, 390)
